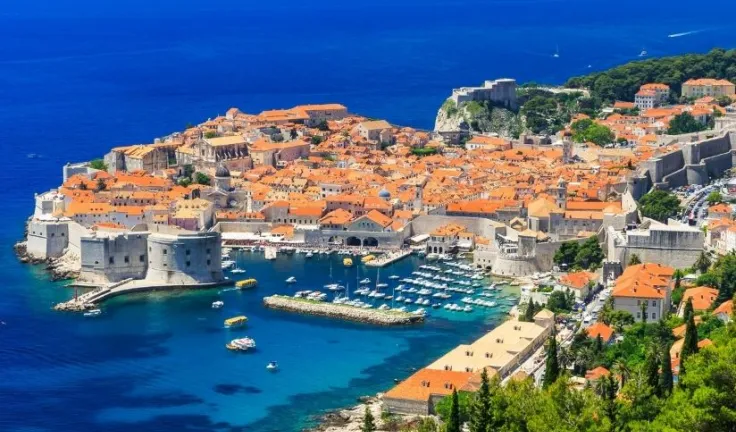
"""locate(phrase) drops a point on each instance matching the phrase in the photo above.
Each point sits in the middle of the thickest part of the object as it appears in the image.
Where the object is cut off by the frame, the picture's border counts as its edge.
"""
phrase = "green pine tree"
(552, 365)
(665, 377)
(480, 412)
(599, 344)
(369, 424)
(453, 424)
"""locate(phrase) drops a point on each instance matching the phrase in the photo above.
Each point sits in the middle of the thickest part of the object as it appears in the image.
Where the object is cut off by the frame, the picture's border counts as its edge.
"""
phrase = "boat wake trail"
(687, 33)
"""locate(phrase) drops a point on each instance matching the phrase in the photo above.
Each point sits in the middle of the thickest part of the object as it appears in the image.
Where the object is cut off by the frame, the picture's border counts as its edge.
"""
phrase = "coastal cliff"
(477, 117)
(65, 267)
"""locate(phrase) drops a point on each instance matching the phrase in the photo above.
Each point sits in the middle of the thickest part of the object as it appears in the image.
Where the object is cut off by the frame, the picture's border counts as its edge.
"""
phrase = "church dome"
(222, 171)
(384, 194)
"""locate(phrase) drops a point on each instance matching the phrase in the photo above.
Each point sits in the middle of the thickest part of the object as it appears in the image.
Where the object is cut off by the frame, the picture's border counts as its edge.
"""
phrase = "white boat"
(381, 285)
(270, 253)
(291, 280)
(237, 270)
(272, 366)
(92, 313)
(242, 344)
(365, 281)
(309, 255)
(394, 277)
(227, 264)
(384, 307)
(217, 304)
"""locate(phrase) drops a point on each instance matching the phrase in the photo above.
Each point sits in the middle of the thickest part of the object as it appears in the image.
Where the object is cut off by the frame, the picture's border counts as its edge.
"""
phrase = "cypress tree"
(368, 424)
(643, 308)
(665, 378)
(480, 415)
(552, 365)
(688, 309)
(651, 371)
(690, 345)
(599, 344)
(530, 311)
(453, 425)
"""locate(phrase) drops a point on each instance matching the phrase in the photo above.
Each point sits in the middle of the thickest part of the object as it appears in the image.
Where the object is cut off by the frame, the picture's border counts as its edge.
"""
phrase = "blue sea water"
(78, 77)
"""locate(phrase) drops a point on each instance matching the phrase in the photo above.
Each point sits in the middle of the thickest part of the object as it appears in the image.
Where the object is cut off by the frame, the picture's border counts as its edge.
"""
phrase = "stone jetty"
(389, 258)
(345, 312)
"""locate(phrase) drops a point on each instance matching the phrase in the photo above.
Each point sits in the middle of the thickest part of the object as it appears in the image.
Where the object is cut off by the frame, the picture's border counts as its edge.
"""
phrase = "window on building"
(166, 252)
(142, 258)
(188, 263)
(638, 314)
(126, 259)
(207, 250)
(654, 302)
(188, 252)
(638, 302)
(112, 260)
(208, 262)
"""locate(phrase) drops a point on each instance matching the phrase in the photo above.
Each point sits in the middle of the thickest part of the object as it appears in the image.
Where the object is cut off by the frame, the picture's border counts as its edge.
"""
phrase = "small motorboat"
(237, 270)
(93, 313)
(365, 281)
(217, 304)
(291, 280)
(272, 366)
(309, 255)
(394, 277)
(242, 344)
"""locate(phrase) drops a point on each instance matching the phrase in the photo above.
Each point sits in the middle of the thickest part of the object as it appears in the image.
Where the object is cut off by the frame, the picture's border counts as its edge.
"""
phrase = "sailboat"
(557, 52)
(643, 53)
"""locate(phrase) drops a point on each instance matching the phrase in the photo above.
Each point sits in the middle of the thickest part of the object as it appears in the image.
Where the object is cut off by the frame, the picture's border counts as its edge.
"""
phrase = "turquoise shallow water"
(158, 362)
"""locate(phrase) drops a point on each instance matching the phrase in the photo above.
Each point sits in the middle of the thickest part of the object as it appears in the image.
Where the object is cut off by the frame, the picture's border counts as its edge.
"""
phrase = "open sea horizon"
(78, 77)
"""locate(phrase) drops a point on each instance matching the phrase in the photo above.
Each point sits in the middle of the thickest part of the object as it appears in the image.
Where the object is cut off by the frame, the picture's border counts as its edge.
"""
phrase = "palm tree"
(702, 263)
(565, 357)
(621, 369)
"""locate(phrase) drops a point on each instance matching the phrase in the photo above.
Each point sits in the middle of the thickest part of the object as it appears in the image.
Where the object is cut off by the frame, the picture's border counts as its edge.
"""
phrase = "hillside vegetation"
(622, 82)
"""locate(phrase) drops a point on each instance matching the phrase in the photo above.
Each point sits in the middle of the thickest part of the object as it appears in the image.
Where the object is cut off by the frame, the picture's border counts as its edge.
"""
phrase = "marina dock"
(341, 311)
(389, 258)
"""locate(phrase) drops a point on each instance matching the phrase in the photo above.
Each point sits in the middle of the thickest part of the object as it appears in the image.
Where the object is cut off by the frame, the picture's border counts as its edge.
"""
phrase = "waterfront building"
(498, 352)
(419, 393)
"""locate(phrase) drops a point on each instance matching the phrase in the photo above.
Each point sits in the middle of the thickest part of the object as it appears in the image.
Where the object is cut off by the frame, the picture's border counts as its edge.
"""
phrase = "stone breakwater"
(345, 312)
(351, 419)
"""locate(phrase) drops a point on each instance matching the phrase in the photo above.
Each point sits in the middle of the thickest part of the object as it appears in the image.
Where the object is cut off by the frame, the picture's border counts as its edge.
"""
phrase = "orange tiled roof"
(600, 329)
(702, 297)
(427, 382)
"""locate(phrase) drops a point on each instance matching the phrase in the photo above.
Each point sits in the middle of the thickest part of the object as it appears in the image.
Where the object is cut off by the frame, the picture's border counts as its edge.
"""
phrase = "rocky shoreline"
(350, 313)
(62, 268)
(351, 419)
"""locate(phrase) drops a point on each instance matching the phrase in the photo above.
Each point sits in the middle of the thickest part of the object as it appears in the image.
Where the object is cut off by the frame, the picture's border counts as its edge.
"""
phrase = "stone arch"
(353, 241)
(334, 240)
(370, 242)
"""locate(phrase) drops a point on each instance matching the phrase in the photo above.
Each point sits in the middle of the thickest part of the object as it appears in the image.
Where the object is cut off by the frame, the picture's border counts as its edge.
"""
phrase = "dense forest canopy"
(622, 82)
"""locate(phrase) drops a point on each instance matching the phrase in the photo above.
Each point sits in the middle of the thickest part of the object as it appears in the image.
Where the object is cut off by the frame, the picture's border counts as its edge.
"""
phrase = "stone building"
(501, 91)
